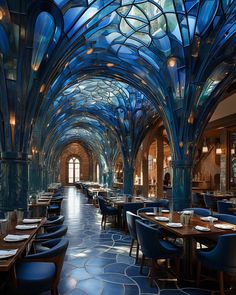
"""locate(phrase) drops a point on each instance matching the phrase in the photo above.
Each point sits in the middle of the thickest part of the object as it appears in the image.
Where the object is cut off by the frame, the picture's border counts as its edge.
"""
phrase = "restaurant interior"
(117, 147)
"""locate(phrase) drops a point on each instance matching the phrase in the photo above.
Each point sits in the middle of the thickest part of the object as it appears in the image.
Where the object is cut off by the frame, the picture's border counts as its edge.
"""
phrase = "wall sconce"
(154, 160)
(218, 149)
(232, 151)
(169, 158)
(172, 62)
(204, 147)
(1, 14)
(34, 150)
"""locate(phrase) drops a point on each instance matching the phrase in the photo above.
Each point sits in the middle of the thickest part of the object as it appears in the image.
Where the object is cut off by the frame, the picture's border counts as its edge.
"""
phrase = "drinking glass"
(3, 227)
(155, 210)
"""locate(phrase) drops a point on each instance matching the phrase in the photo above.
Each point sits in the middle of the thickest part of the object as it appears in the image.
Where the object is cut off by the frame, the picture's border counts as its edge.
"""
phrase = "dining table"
(195, 228)
(20, 245)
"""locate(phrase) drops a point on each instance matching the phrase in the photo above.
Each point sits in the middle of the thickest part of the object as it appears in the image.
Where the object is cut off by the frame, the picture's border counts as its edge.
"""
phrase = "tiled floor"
(97, 261)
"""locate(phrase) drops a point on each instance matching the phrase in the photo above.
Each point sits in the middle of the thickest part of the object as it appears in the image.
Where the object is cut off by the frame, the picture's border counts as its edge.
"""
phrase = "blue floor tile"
(98, 262)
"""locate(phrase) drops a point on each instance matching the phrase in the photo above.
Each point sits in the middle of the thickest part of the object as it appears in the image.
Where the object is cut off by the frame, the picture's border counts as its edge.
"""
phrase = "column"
(128, 176)
(159, 164)
(144, 168)
(14, 181)
(182, 184)
(223, 161)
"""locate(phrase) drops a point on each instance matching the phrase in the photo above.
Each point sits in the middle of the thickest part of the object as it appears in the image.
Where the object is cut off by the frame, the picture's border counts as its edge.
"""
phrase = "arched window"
(73, 170)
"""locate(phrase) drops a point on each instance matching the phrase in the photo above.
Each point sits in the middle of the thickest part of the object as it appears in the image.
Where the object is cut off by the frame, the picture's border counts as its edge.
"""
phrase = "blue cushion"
(35, 275)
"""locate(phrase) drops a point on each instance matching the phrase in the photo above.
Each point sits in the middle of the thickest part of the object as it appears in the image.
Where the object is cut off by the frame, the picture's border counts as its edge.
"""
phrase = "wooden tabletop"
(188, 230)
(6, 264)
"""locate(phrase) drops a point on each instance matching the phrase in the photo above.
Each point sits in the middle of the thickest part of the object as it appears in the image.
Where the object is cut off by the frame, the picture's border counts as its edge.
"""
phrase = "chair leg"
(142, 263)
(102, 219)
(137, 252)
(178, 269)
(105, 219)
(222, 292)
(198, 273)
(131, 247)
(153, 271)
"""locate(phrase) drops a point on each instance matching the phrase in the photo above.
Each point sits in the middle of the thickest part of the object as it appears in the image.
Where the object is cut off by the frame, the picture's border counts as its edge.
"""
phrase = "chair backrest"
(197, 199)
(224, 253)
(53, 232)
(164, 203)
(210, 202)
(200, 211)
(226, 218)
(55, 220)
(102, 205)
(145, 209)
(132, 207)
(149, 240)
(55, 253)
(223, 207)
(131, 217)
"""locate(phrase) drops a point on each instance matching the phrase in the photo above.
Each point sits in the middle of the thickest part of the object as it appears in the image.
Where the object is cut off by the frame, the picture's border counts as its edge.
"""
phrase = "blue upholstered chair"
(197, 200)
(223, 207)
(52, 232)
(131, 218)
(40, 272)
(221, 258)
(55, 206)
(163, 203)
(226, 218)
(54, 220)
(132, 207)
(106, 211)
(210, 202)
(154, 247)
(200, 211)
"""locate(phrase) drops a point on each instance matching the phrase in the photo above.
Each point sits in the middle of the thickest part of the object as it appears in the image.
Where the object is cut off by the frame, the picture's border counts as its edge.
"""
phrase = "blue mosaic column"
(128, 179)
(182, 184)
(14, 181)
(110, 178)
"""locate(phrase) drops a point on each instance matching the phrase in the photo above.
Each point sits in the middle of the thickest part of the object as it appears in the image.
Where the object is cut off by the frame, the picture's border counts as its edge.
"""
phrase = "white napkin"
(31, 220)
(23, 226)
(209, 218)
(7, 253)
(202, 228)
(223, 226)
(173, 224)
(16, 237)
(162, 218)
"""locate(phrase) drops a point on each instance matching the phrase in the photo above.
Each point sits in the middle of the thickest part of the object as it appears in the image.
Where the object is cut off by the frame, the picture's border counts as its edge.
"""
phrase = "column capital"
(15, 156)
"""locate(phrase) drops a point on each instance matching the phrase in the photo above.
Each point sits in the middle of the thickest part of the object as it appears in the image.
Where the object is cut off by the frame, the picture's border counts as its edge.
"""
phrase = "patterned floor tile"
(98, 261)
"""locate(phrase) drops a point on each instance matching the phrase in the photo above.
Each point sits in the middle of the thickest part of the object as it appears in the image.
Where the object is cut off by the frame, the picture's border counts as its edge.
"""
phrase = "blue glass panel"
(71, 15)
(4, 42)
(206, 14)
(43, 33)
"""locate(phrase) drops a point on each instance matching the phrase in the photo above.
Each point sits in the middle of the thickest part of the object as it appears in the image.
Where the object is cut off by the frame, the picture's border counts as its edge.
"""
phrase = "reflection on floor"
(97, 261)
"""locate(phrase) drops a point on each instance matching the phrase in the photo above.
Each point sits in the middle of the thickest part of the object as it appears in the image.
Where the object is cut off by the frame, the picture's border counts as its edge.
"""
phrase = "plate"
(209, 218)
(172, 224)
(201, 228)
(162, 218)
(15, 238)
(26, 227)
(7, 253)
(165, 211)
(150, 213)
(31, 220)
(223, 226)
